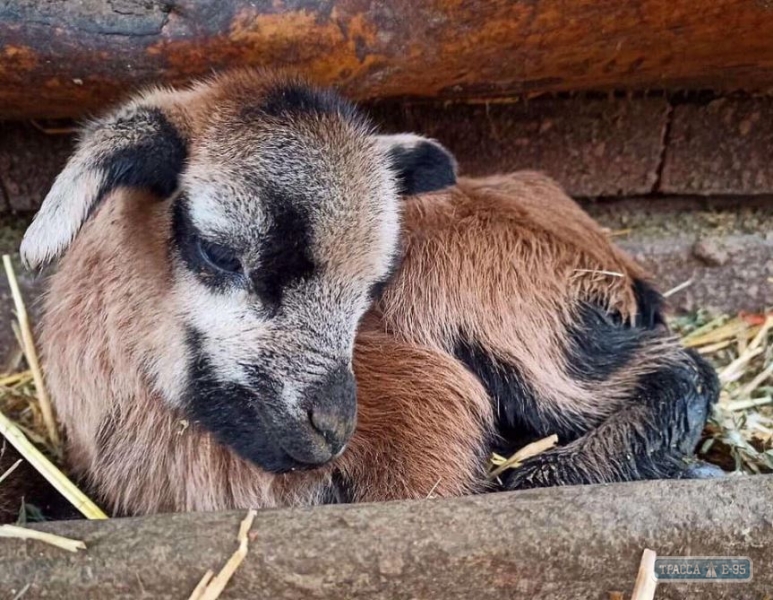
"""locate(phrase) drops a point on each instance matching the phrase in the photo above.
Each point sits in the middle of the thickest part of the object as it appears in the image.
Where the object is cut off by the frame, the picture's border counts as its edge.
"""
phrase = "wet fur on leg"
(651, 437)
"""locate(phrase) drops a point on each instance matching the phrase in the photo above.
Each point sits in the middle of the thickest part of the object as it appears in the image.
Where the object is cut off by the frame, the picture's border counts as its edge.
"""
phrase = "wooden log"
(569, 543)
(67, 58)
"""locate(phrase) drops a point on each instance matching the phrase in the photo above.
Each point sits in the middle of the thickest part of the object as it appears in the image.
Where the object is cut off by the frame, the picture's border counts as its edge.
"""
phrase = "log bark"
(67, 58)
(570, 543)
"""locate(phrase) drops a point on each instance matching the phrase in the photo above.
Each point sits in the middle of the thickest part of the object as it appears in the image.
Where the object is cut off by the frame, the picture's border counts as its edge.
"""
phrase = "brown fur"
(506, 262)
(422, 415)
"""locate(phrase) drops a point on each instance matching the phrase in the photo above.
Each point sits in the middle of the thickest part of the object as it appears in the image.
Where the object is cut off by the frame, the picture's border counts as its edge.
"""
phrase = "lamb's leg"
(424, 425)
(652, 437)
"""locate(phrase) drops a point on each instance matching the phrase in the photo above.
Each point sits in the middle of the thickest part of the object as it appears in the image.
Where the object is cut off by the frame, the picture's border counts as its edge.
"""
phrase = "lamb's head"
(283, 218)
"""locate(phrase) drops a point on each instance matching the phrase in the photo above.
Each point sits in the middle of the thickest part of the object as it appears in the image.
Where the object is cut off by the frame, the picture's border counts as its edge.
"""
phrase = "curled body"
(261, 302)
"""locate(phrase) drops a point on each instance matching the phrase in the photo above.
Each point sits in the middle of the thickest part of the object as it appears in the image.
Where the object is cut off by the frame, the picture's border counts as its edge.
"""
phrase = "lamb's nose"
(333, 408)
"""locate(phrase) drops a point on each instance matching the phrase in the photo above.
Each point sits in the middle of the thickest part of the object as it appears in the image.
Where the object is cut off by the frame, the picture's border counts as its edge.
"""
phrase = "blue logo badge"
(703, 568)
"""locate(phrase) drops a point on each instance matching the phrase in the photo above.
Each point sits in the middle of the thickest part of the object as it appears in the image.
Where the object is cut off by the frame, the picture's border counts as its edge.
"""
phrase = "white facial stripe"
(207, 216)
(231, 327)
(207, 209)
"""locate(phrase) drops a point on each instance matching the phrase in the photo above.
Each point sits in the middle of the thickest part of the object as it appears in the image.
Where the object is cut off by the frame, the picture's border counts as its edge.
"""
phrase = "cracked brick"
(723, 147)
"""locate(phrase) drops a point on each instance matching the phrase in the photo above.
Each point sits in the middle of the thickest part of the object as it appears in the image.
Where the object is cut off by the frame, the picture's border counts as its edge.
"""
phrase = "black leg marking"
(520, 414)
(650, 438)
(599, 344)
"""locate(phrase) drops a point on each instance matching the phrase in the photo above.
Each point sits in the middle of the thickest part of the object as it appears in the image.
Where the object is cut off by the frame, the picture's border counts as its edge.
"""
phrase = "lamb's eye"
(220, 258)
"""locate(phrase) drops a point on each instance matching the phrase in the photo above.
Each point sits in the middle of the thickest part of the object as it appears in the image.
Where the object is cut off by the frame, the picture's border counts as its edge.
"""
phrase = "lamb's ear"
(421, 164)
(140, 145)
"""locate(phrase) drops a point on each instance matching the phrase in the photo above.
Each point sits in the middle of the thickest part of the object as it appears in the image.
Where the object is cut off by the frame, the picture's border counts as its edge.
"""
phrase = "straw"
(202, 585)
(676, 289)
(28, 345)
(646, 582)
(741, 349)
(8, 472)
(22, 533)
(216, 585)
(528, 451)
(599, 272)
(47, 469)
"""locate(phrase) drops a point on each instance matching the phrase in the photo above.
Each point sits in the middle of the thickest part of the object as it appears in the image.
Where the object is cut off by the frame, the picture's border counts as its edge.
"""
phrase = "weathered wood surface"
(67, 58)
(570, 543)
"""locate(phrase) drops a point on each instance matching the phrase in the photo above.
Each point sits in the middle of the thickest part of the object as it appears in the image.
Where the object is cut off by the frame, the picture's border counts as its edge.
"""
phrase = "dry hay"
(38, 405)
(22, 533)
(19, 402)
(739, 437)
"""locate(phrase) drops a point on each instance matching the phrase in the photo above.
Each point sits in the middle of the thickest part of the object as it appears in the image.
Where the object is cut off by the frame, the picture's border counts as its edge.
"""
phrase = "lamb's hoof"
(701, 470)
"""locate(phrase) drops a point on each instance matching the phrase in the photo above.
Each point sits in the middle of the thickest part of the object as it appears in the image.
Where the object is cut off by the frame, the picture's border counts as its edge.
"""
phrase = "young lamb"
(235, 255)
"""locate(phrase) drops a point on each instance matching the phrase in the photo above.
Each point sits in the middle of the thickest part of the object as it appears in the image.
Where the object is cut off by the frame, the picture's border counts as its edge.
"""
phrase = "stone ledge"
(724, 246)
(593, 147)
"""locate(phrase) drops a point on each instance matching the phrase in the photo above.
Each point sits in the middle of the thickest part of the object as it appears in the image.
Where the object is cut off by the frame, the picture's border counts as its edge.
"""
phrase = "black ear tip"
(423, 167)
